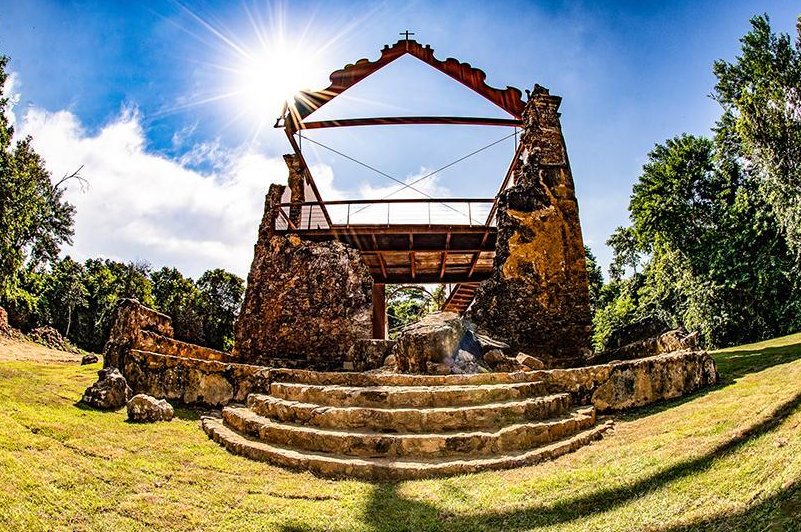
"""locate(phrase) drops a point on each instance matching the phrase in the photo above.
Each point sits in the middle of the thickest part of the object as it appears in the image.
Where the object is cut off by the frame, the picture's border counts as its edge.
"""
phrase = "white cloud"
(197, 211)
(142, 205)
(10, 90)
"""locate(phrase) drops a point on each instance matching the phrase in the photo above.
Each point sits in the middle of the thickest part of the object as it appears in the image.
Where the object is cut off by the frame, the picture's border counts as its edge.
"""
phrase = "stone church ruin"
(501, 377)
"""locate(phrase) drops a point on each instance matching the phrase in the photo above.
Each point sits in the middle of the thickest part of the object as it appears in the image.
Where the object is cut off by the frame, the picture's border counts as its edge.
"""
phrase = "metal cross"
(406, 34)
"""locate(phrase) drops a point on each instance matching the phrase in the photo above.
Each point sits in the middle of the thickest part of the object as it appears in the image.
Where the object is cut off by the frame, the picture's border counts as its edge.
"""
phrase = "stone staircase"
(399, 427)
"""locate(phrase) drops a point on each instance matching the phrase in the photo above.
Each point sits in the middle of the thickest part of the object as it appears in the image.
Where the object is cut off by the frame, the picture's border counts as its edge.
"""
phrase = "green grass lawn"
(728, 458)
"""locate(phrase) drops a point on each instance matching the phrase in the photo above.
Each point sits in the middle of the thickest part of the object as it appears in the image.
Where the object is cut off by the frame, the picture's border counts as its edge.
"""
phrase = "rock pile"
(5, 328)
(444, 343)
(111, 391)
(647, 337)
(50, 337)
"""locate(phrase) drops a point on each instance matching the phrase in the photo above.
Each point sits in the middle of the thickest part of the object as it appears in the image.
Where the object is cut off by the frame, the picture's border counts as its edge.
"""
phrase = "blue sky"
(148, 97)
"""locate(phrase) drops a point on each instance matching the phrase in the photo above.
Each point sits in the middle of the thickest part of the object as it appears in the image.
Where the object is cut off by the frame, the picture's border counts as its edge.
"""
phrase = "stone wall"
(136, 326)
(620, 386)
(192, 381)
(613, 387)
(130, 318)
(304, 301)
(537, 299)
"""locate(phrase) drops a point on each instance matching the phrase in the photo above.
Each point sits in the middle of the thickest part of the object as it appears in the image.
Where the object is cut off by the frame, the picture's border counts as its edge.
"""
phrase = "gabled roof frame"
(307, 102)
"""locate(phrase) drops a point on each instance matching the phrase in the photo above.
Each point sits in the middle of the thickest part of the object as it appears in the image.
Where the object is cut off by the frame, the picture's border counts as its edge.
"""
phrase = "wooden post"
(379, 311)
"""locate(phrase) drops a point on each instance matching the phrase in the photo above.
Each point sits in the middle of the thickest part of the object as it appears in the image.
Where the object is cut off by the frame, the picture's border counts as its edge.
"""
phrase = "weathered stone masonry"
(304, 301)
(537, 299)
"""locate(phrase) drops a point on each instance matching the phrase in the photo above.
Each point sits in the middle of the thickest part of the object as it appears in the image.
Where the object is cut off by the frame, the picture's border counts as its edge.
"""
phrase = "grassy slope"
(725, 459)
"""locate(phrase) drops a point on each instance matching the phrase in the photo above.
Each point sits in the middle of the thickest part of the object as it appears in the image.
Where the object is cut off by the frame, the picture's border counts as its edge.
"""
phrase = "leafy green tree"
(625, 252)
(35, 220)
(407, 304)
(220, 297)
(594, 277)
(717, 262)
(178, 297)
(760, 93)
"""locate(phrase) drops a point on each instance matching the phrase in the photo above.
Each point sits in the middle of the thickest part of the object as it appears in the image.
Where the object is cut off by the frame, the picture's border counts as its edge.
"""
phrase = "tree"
(407, 304)
(595, 278)
(220, 297)
(35, 220)
(760, 93)
(178, 297)
(74, 295)
(64, 293)
(625, 252)
(717, 262)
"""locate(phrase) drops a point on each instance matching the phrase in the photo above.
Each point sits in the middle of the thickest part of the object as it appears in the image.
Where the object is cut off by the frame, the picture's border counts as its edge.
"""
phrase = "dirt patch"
(14, 350)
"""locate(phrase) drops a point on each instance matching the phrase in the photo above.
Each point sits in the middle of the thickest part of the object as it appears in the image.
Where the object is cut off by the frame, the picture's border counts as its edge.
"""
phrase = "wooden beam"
(307, 173)
(379, 311)
(459, 251)
(383, 264)
(411, 257)
(428, 277)
(445, 256)
(509, 172)
(412, 120)
(384, 229)
(305, 103)
(477, 256)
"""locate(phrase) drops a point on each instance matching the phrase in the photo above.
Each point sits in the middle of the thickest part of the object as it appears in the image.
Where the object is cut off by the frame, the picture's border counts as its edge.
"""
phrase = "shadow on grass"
(731, 364)
(735, 363)
(779, 512)
(387, 509)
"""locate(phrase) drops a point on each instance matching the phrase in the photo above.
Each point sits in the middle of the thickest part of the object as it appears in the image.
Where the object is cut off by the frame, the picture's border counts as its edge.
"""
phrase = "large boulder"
(111, 391)
(89, 358)
(146, 409)
(441, 342)
(307, 301)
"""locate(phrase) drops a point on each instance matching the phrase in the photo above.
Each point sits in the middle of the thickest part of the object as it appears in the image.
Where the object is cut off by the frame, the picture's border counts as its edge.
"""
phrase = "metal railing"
(424, 211)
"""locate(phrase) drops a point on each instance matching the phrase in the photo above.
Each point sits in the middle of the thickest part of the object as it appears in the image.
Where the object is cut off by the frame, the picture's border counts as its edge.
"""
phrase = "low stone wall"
(156, 343)
(622, 385)
(137, 327)
(192, 381)
(609, 387)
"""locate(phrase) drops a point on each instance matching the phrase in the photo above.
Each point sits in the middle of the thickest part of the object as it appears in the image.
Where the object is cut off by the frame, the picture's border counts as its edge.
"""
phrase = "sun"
(270, 77)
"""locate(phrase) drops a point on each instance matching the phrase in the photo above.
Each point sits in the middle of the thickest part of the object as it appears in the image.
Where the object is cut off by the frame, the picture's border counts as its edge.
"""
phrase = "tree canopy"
(717, 218)
(35, 220)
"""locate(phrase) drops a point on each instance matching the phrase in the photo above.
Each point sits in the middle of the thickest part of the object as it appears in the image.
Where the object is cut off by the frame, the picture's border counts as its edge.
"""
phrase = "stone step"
(343, 378)
(405, 396)
(330, 465)
(512, 438)
(417, 420)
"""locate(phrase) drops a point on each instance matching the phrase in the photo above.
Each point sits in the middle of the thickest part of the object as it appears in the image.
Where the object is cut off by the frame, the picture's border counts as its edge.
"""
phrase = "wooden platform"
(416, 253)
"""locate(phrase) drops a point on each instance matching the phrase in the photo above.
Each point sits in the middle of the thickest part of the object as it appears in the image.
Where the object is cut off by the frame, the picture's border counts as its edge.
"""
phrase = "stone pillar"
(272, 204)
(305, 304)
(537, 299)
(379, 311)
(297, 188)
